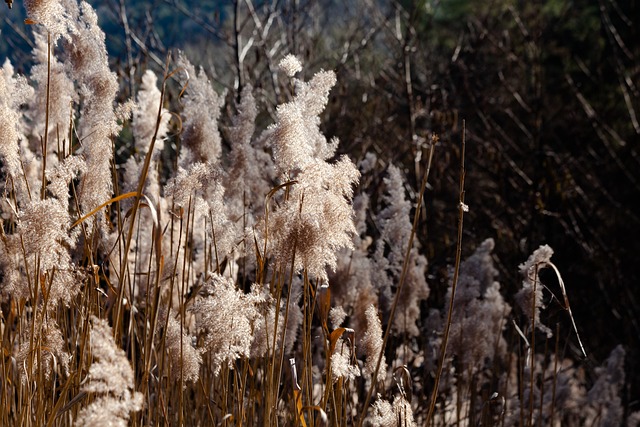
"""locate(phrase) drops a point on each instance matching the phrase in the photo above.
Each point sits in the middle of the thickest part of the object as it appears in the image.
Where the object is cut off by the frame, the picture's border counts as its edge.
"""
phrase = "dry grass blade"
(297, 395)
(103, 205)
(568, 307)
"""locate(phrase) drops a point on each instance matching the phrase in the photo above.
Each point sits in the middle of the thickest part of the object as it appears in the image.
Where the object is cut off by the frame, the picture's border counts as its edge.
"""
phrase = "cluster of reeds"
(252, 284)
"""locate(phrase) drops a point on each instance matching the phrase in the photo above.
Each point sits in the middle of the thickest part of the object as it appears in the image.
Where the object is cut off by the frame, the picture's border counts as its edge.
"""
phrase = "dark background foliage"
(548, 92)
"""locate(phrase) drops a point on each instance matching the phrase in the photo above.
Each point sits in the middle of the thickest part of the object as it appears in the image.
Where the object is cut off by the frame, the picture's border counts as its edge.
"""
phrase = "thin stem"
(533, 345)
(462, 208)
(136, 205)
(46, 121)
(405, 268)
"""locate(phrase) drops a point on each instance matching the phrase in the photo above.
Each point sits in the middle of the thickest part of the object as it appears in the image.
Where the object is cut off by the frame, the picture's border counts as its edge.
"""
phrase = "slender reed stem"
(136, 203)
(46, 121)
(532, 362)
(462, 208)
(405, 268)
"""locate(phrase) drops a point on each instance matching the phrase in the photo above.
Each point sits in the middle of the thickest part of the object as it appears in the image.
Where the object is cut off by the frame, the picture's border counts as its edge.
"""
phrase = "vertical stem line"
(403, 275)
(46, 120)
(443, 349)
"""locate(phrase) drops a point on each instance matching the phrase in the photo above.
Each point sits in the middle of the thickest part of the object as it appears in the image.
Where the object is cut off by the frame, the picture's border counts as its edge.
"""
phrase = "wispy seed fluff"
(351, 286)
(290, 65)
(529, 298)
(200, 188)
(604, 401)
(143, 126)
(201, 113)
(47, 340)
(264, 326)
(316, 219)
(88, 62)
(111, 378)
(480, 312)
(185, 359)
(395, 224)
(297, 140)
(225, 317)
(371, 343)
(14, 92)
(49, 13)
(251, 172)
(384, 414)
(146, 113)
(43, 226)
(62, 96)
(343, 362)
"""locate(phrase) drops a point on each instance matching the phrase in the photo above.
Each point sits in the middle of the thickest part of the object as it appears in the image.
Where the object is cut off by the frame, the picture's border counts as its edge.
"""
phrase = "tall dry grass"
(253, 284)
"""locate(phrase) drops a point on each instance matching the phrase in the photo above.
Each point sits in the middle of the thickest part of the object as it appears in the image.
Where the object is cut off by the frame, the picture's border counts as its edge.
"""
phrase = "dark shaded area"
(550, 99)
